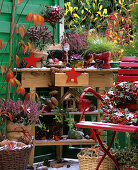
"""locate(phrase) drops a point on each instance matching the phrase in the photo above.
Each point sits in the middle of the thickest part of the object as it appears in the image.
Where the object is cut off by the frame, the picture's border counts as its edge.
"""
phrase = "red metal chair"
(128, 72)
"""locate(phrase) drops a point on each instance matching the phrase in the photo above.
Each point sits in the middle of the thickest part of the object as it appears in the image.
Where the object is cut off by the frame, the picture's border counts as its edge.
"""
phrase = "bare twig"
(1, 6)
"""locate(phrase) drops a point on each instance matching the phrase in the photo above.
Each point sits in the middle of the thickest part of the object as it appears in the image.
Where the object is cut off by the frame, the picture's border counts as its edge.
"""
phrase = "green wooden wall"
(33, 6)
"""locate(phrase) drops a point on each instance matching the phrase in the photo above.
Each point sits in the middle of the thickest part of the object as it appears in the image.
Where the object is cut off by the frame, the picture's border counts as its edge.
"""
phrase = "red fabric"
(102, 60)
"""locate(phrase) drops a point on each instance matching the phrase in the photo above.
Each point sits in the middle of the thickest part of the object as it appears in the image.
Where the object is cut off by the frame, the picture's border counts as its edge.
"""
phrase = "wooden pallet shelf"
(64, 142)
(41, 77)
(74, 113)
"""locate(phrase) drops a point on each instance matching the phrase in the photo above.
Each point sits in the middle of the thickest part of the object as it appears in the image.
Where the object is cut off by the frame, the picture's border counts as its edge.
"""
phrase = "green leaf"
(93, 6)
(87, 1)
(121, 95)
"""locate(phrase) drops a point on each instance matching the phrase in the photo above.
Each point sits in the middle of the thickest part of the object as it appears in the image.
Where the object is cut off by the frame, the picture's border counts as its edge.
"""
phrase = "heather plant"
(20, 112)
(76, 40)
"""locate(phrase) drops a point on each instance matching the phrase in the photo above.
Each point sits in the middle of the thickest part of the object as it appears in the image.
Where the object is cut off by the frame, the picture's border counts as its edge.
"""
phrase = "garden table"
(107, 126)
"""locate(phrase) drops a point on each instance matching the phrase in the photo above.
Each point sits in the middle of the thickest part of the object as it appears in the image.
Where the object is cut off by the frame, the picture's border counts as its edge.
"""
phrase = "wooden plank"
(100, 79)
(96, 112)
(36, 79)
(125, 64)
(69, 69)
(74, 113)
(5, 27)
(127, 78)
(131, 59)
(61, 78)
(128, 71)
(64, 142)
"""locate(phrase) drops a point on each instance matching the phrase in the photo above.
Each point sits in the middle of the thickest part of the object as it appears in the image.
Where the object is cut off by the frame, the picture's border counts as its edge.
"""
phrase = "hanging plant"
(52, 15)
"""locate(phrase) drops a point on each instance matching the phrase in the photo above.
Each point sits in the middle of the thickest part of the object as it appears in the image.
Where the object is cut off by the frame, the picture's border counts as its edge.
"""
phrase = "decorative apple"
(56, 61)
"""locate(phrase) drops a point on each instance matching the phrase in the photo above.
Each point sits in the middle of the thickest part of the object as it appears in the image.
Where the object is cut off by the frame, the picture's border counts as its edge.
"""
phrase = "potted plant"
(20, 117)
(101, 48)
(77, 43)
(52, 15)
(120, 104)
(127, 158)
(40, 37)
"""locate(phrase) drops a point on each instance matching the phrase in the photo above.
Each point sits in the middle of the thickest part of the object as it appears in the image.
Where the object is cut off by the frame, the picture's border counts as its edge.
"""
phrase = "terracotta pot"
(15, 131)
(102, 60)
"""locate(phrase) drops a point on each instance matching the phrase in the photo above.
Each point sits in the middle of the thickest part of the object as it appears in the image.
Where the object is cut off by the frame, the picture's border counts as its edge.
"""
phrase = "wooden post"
(10, 47)
(31, 159)
(59, 148)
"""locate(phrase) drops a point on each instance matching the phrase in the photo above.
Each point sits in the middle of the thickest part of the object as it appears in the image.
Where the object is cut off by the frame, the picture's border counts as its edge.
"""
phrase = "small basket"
(90, 163)
(15, 159)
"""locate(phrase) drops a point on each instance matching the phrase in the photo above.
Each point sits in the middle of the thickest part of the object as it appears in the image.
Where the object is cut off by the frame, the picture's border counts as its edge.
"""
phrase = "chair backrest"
(128, 69)
(128, 72)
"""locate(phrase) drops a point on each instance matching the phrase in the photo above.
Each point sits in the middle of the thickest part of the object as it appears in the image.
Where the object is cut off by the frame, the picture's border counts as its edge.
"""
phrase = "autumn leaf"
(19, 2)
(13, 82)
(10, 116)
(16, 28)
(27, 97)
(23, 26)
(18, 90)
(24, 108)
(22, 42)
(9, 76)
(31, 94)
(40, 20)
(3, 69)
(30, 46)
(29, 17)
(18, 82)
(1, 45)
(22, 91)
(22, 32)
(17, 61)
(36, 21)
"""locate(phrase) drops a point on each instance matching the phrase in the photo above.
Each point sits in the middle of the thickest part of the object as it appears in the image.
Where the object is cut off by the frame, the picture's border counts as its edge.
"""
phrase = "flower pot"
(114, 64)
(40, 54)
(15, 131)
(102, 60)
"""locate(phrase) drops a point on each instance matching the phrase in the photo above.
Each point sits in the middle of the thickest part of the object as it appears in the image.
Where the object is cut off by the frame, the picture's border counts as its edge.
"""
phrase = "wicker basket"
(90, 163)
(15, 159)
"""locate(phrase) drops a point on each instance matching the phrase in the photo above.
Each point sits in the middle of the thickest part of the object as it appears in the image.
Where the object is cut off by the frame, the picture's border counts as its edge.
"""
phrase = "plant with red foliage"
(121, 28)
